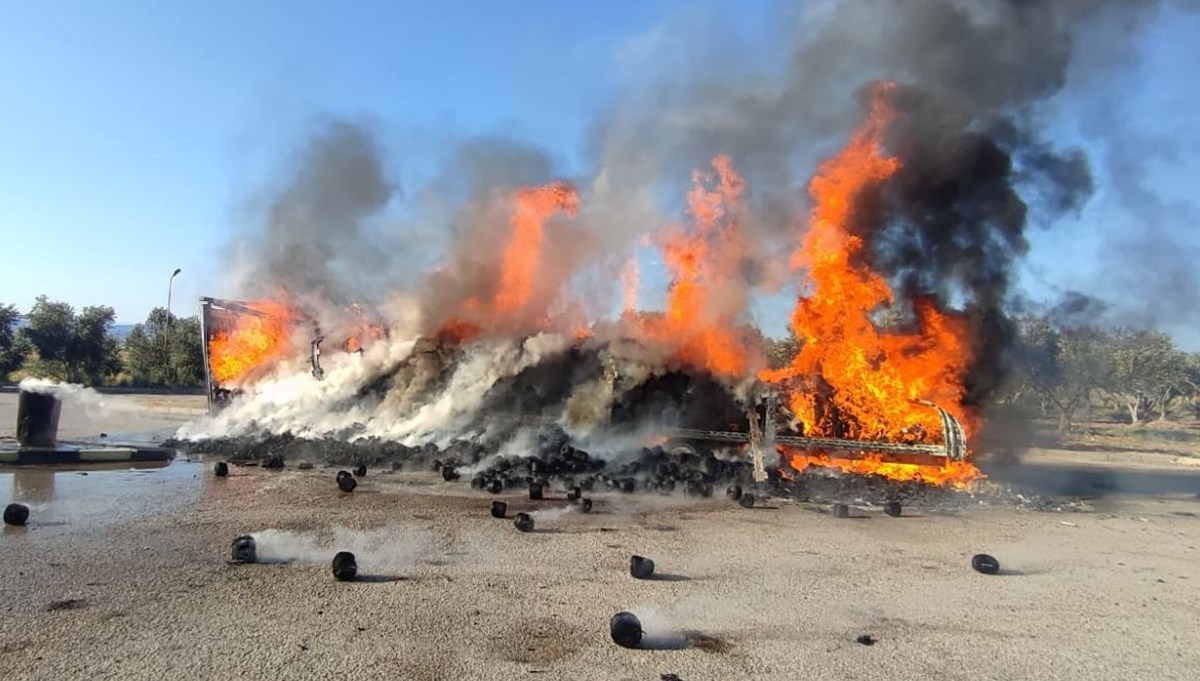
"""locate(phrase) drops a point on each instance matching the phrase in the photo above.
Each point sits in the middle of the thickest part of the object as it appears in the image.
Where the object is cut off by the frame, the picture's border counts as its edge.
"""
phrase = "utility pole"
(167, 332)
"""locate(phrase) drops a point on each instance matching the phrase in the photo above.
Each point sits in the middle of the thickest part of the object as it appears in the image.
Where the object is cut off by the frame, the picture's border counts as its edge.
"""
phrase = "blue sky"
(132, 131)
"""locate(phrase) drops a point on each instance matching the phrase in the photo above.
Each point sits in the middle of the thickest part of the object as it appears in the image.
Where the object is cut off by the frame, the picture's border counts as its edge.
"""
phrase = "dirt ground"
(125, 574)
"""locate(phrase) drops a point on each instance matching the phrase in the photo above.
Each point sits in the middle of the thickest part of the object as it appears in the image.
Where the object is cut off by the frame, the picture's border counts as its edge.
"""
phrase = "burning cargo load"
(896, 339)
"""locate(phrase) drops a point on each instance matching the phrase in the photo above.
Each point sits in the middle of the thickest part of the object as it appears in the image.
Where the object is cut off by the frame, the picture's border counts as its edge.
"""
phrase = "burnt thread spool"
(893, 509)
(345, 567)
(244, 549)
(478, 483)
(16, 514)
(625, 629)
(535, 491)
(495, 487)
(574, 494)
(985, 564)
(499, 509)
(361, 470)
(449, 474)
(346, 482)
(584, 504)
(628, 485)
(641, 568)
(221, 470)
(746, 501)
(733, 492)
(841, 511)
(523, 522)
(274, 462)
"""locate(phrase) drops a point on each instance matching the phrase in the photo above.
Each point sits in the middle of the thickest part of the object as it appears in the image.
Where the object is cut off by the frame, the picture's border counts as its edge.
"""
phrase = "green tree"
(13, 348)
(1143, 369)
(165, 352)
(1063, 366)
(76, 348)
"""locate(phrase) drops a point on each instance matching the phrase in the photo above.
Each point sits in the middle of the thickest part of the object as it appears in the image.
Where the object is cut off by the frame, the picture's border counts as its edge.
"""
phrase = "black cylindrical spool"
(345, 567)
(346, 483)
(499, 509)
(16, 514)
(221, 469)
(625, 629)
(523, 522)
(360, 470)
(641, 568)
(495, 487)
(892, 508)
(37, 419)
(244, 549)
(986, 564)
(535, 491)
(746, 500)
(734, 492)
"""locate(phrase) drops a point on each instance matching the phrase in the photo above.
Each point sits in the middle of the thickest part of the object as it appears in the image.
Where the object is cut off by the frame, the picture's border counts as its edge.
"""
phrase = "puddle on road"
(94, 495)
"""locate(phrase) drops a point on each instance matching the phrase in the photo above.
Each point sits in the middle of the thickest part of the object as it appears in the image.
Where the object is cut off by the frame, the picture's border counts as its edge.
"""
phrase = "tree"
(76, 348)
(177, 362)
(13, 348)
(1142, 371)
(1063, 366)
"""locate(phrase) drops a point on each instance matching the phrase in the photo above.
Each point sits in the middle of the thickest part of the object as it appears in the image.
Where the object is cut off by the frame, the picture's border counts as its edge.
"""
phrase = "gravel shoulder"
(780, 592)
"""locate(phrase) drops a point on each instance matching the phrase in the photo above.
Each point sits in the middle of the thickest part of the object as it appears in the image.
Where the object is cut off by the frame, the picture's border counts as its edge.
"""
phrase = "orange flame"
(959, 474)
(852, 378)
(532, 207)
(254, 342)
(699, 322)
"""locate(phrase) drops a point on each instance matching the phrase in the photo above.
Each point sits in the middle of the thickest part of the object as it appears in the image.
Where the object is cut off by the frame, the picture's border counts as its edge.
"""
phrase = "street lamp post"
(167, 332)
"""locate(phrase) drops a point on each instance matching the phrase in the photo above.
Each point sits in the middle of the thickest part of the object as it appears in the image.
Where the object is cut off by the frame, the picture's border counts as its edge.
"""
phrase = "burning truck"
(885, 381)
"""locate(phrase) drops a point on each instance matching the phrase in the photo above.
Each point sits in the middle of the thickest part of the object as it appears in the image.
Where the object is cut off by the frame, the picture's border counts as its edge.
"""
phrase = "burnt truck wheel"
(641, 568)
(523, 522)
(733, 492)
(244, 550)
(221, 470)
(625, 629)
(346, 482)
(986, 564)
(499, 509)
(345, 567)
(746, 501)
(16, 514)
(893, 509)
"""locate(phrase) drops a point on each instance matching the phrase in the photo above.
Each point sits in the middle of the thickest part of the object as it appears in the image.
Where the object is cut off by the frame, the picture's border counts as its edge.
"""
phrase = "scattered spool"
(625, 629)
(274, 462)
(449, 474)
(841, 511)
(641, 568)
(495, 487)
(499, 509)
(346, 482)
(244, 549)
(584, 505)
(746, 501)
(221, 470)
(733, 492)
(535, 491)
(360, 471)
(16, 514)
(523, 522)
(345, 567)
(628, 485)
(893, 509)
(574, 494)
(478, 482)
(986, 564)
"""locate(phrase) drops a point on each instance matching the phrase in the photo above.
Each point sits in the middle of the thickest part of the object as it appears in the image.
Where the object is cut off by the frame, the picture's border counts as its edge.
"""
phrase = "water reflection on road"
(94, 495)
